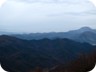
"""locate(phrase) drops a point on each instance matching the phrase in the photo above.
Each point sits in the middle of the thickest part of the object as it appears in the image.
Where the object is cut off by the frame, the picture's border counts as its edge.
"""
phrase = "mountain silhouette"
(51, 55)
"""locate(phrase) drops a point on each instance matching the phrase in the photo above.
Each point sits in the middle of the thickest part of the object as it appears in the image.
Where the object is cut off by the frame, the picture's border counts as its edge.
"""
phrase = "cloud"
(85, 13)
(21, 16)
(53, 1)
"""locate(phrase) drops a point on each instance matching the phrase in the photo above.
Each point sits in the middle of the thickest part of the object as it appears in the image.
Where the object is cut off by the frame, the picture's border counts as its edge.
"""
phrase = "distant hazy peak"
(85, 28)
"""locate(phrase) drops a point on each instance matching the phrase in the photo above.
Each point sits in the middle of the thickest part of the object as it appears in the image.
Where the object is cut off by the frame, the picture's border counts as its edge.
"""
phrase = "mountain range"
(46, 55)
(84, 34)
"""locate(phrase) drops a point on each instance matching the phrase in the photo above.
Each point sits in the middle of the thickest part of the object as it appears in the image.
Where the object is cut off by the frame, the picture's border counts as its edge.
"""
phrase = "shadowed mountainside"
(45, 55)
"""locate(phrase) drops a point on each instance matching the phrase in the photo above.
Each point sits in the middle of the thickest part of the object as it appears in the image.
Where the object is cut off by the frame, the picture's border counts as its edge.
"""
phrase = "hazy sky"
(46, 15)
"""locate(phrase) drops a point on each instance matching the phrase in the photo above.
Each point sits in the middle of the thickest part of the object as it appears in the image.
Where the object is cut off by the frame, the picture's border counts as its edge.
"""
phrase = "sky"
(46, 15)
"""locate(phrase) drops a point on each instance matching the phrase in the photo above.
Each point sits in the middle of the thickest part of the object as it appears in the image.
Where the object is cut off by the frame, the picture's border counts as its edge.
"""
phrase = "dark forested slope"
(17, 55)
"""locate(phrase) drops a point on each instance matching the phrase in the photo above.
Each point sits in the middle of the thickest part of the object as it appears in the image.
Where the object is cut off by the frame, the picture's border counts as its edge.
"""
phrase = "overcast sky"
(46, 15)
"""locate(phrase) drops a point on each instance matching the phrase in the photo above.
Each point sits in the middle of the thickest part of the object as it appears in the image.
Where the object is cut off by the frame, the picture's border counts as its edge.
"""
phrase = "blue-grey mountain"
(84, 34)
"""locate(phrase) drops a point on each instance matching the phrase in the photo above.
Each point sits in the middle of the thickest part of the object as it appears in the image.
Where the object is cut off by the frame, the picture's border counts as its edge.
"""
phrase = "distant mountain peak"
(85, 28)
